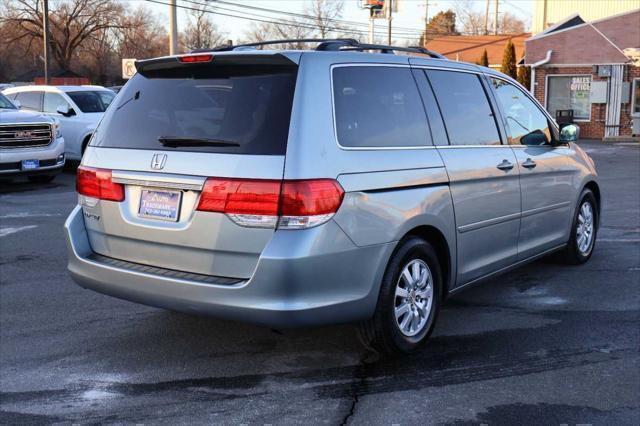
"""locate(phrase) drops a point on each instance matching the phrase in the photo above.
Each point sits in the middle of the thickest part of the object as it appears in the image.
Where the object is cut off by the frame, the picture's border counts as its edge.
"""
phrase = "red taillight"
(241, 198)
(310, 197)
(195, 59)
(97, 183)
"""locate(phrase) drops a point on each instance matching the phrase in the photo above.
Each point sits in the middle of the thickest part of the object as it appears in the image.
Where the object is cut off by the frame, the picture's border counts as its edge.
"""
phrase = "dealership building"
(589, 73)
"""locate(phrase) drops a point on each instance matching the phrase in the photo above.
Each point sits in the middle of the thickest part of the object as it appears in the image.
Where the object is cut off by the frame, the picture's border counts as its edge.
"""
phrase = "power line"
(299, 15)
(414, 33)
(269, 21)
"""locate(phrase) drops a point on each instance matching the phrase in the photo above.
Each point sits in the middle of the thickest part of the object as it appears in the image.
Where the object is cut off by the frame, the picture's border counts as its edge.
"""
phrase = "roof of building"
(587, 43)
(469, 48)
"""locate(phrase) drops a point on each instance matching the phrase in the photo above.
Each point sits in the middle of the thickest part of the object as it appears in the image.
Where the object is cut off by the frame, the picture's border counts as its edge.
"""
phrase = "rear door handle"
(529, 164)
(505, 165)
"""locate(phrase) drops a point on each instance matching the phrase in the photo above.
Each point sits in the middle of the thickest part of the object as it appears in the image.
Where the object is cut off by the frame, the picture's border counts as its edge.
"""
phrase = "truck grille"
(25, 135)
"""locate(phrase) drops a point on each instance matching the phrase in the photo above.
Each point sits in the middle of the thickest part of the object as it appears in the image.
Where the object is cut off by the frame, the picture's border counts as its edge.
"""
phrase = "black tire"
(382, 332)
(41, 178)
(572, 254)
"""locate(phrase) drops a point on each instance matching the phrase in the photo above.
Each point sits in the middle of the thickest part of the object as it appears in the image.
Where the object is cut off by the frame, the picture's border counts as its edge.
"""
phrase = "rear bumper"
(312, 277)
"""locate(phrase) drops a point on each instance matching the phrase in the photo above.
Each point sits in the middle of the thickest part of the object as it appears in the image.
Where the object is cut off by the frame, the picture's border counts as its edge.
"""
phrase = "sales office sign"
(579, 84)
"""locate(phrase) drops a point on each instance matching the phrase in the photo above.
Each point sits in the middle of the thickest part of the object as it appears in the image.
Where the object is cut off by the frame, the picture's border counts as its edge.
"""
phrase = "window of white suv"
(92, 100)
(52, 101)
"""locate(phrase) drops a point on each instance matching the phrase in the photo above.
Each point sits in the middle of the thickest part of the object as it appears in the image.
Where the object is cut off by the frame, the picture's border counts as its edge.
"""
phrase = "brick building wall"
(593, 129)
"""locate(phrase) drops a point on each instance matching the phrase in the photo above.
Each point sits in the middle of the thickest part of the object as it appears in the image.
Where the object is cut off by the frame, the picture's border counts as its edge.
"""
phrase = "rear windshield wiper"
(176, 141)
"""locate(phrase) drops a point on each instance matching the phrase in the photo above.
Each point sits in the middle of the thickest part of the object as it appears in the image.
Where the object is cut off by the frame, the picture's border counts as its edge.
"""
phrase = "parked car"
(115, 89)
(31, 144)
(78, 108)
(296, 188)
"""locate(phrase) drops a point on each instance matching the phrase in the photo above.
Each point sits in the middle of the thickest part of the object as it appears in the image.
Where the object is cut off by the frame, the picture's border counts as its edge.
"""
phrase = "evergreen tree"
(509, 61)
(443, 23)
(524, 76)
(484, 59)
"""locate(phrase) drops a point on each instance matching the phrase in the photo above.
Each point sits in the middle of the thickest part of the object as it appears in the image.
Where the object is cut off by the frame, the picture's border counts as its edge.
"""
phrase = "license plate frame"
(30, 164)
(160, 204)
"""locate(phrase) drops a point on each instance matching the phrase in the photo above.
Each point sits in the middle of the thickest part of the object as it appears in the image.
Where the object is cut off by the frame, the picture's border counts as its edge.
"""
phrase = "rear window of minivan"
(227, 109)
(378, 107)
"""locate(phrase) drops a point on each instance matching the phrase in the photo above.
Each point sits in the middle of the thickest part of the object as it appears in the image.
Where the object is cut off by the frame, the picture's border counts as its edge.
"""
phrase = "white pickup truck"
(31, 144)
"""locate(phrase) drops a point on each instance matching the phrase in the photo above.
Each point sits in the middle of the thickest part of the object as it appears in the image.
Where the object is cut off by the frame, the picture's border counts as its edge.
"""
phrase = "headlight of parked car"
(57, 128)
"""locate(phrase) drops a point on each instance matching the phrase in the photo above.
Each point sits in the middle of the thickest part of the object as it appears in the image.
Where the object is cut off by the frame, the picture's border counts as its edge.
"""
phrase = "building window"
(569, 92)
(635, 98)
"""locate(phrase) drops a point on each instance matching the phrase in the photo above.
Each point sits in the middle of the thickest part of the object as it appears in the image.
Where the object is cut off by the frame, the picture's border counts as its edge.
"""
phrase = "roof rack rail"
(329, 44)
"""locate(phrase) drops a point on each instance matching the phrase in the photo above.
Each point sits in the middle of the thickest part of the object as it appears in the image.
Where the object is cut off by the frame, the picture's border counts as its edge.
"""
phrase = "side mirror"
(17, 103)
(65, 110)
(569, 133)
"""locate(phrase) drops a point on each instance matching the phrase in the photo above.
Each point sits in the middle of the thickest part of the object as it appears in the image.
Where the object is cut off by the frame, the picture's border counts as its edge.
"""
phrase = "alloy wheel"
(413, 297)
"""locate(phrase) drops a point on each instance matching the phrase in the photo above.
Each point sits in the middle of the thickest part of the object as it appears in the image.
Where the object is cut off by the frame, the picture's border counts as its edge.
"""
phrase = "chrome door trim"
(472, 146)
(477, 225)
(531, 212)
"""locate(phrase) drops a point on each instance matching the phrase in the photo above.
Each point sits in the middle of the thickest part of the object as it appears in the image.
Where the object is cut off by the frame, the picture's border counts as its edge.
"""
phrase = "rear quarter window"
(246, 109)
(377, 106)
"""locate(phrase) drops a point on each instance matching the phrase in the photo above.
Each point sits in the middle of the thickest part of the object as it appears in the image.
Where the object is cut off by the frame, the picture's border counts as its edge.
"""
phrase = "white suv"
(78, 108)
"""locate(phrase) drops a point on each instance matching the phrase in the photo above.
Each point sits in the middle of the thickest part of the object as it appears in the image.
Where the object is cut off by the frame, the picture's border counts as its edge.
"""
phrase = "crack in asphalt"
(337, 382)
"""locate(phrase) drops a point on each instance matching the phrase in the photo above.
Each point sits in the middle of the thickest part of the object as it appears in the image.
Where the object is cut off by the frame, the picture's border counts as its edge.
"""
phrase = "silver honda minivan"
(345, 183)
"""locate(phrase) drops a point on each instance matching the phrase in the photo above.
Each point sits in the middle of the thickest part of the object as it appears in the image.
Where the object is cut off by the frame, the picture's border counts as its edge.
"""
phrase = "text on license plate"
(30, 164)
(163, 205)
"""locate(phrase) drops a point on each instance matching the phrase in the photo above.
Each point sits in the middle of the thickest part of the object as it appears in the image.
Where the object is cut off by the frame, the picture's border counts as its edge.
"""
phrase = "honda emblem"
(158, 161)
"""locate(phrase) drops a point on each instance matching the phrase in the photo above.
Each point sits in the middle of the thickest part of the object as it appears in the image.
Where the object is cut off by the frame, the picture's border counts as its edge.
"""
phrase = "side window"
(438, 132)
(30, 100)
(52, 101)
(378, 107)
(526, 124)
(465, 108)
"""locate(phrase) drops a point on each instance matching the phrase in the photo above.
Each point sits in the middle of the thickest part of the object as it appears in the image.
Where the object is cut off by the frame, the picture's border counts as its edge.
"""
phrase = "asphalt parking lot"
(547, 343)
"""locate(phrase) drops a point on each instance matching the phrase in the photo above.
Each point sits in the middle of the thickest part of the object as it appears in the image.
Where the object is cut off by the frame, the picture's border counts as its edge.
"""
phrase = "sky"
(410, 16)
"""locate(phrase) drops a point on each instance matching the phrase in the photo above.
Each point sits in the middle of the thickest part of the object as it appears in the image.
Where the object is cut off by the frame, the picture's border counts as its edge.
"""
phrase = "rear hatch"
(182, 171)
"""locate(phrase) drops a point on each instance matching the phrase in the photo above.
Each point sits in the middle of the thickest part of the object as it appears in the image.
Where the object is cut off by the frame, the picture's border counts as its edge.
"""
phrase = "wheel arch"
(436, 237)
(85, 142)
(593, 186)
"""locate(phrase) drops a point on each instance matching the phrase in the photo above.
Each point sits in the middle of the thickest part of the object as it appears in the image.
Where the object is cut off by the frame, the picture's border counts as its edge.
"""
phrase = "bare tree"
(72, 23)
(323, 14)
(141, 35)
(470, 20)
(510, 24)
(201, 32)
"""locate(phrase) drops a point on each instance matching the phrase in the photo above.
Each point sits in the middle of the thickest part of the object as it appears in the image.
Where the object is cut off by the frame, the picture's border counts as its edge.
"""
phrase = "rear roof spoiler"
(257, 58)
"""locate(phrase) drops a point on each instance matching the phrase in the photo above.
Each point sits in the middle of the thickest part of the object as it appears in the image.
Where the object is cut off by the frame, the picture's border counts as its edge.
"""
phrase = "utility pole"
(371, 24)
(426, 22)
(389, 18)
(495, 19)
(544, 15)
(45, 38)
(486, 19)
(173, 28)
